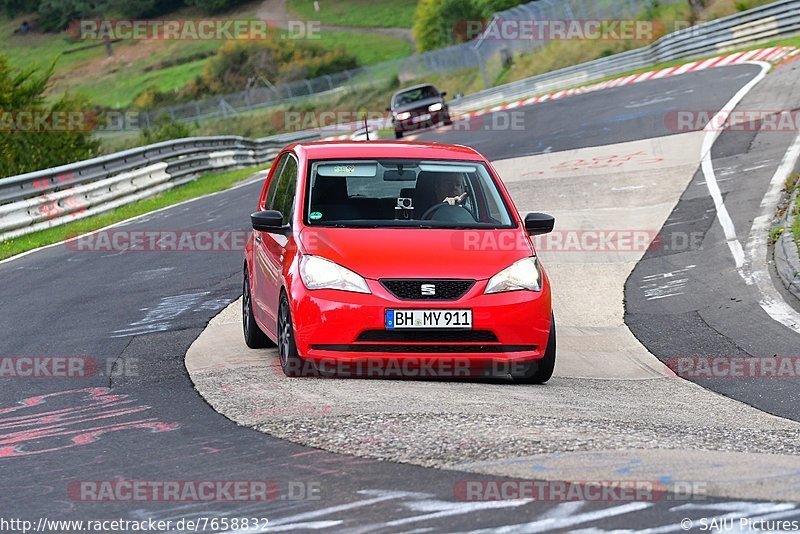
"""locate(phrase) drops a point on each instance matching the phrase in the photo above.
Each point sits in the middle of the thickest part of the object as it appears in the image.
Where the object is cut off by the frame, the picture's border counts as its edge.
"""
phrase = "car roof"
(385, 149)
(413, 88)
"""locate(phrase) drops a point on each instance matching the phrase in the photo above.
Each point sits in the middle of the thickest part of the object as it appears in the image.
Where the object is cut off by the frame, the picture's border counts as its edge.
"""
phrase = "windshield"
(414, 95)
(404, 193)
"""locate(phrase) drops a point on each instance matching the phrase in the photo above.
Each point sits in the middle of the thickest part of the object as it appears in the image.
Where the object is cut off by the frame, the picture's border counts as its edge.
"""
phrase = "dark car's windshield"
(404, 193)
(415, 95)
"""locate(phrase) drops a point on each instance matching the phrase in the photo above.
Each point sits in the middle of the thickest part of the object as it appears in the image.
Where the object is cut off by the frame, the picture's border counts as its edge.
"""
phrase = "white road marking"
(755, 270)
(664, 285)
(552, 523)
(752, 267)
(712, 133)
(381, 496)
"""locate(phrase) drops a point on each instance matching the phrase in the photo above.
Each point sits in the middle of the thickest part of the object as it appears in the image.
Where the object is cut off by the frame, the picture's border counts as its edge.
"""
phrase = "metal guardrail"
(51, 197)
(758, 25)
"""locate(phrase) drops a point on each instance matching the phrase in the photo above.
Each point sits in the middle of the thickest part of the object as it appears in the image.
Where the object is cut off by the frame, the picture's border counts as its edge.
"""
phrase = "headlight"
(403, 116)
(524, 274)
(319, 273)
(435, 107)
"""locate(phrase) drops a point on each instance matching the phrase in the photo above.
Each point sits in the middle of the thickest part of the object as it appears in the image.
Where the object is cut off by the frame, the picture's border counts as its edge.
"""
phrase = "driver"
(450, 189)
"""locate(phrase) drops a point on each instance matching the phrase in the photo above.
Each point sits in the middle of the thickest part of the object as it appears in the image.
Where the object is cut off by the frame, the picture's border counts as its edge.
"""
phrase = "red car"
(370, 257)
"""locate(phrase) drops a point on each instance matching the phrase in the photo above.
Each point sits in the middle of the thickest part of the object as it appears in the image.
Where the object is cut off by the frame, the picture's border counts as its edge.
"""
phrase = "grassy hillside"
(168, 65)
(362, 13)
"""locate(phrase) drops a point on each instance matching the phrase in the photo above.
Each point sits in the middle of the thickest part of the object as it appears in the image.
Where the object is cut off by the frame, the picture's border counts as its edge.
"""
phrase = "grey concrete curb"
(787, 259)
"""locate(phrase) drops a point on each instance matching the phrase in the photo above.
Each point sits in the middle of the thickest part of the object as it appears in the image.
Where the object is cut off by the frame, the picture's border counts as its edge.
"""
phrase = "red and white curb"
(772, 55)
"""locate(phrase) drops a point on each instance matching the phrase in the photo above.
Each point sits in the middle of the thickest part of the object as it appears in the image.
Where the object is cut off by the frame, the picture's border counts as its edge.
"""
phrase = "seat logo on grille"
(428, 289)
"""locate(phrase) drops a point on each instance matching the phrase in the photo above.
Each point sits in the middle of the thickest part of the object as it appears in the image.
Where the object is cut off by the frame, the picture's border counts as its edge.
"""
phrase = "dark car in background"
(418, 107)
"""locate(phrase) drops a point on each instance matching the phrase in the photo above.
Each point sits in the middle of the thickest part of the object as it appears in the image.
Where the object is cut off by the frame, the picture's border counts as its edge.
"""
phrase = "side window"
(269, 199)
(287, 189)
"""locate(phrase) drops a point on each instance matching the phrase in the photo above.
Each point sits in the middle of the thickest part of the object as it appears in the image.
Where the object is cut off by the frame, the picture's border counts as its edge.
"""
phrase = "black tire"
(448, 121)
(292, 363)
(540, 371)
(398, 135)
(254, 337)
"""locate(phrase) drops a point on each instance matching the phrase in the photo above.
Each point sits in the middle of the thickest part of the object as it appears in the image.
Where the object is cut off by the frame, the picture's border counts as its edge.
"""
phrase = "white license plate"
(428, 319)
(421, 118)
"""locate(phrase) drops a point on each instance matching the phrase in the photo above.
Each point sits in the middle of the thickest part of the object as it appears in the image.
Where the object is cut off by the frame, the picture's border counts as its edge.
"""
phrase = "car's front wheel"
(398, 134)
(254, 337)
(540, 371)
(291, 362)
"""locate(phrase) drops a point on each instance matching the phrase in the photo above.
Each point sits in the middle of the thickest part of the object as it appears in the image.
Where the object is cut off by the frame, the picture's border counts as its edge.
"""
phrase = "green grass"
(117, 91)
(367, 48)
(362, 13)
(115, 82)
(205, 184)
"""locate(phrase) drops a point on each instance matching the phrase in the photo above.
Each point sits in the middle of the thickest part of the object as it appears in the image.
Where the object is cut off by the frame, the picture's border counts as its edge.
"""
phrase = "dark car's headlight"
(435, 107)
(403, 116)
(522, 275)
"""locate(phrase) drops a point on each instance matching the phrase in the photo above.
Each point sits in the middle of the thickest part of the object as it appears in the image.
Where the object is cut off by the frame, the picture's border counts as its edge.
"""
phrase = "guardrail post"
(482, 67)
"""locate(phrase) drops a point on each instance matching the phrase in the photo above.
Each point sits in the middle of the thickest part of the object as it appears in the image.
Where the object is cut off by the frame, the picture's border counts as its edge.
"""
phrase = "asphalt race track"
(141, 312)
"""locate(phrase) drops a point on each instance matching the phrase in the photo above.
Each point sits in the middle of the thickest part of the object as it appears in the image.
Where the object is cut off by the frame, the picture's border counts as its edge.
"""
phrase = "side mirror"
(443, 93)
(539, 223)
(268, 221)
(388, 109)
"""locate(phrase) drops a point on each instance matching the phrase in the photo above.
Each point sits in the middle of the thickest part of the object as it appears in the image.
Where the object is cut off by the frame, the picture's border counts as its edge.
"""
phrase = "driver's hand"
(453, 201)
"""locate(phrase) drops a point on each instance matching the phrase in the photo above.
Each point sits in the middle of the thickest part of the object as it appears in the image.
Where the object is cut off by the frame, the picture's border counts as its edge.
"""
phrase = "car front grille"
(427, 289)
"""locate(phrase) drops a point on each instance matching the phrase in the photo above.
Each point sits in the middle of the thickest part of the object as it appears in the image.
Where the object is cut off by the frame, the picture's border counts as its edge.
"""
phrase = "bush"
(55, 15)
(439, 23)
(152, 97)
(490, 7)
(164, 128)
(15, 7)
(238, 65)
(25, 151)
(214, 6)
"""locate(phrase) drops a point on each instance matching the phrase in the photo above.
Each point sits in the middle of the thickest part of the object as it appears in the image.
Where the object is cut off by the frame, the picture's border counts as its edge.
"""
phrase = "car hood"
(418, 253)
(418, 104)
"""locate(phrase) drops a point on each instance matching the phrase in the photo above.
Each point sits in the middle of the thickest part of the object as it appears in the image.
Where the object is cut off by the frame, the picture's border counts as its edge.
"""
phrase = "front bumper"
(330, 327)
(409, 125)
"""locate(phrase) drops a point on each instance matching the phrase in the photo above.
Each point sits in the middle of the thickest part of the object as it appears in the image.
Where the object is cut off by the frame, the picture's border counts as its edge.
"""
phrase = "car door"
(270, 248)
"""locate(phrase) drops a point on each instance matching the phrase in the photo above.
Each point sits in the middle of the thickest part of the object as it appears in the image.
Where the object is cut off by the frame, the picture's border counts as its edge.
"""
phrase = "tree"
(27, 146)
(696, 7)
(437, 23)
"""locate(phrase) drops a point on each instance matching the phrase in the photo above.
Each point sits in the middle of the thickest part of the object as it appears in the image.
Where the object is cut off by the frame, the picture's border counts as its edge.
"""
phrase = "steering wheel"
(432, 210)
(436, 207)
